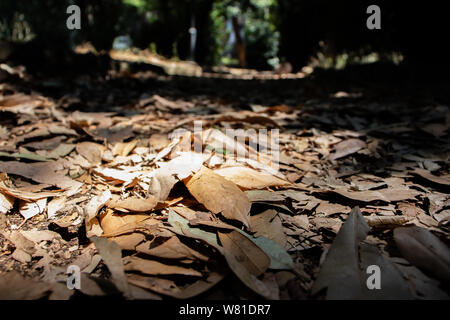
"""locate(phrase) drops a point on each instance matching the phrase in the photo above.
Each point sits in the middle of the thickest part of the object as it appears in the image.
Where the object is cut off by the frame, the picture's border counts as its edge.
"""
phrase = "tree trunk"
(240, 46)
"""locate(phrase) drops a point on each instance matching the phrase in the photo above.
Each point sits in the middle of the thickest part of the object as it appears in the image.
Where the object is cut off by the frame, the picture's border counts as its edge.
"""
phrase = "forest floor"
(359, 177)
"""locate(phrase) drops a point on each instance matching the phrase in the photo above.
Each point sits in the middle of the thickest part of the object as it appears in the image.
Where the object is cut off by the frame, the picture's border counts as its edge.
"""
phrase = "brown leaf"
(43, 173)
(248, 178)
(93, 207)
(387, 222)
(171, 249)
(15, 287)
(424, 250)
(431, 177)
(246, 260)
(268, 224)
(129, 241)
(158, 141)
(346, 148)
(329, 209)
(161, 184)
(112, 221)
(115, 174)
(220, 195)
(91, 151)
(54, 206)
(386, 195)
(133, 204)
(169, 288)
(152, 267)
(112, 256)
(124, 148)
(31, 209)
(343, 272)
(6, 203)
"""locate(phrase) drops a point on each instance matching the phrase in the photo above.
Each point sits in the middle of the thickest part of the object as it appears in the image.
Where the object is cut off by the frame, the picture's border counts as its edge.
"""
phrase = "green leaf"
(29, 156)
(181, 226)
(279, 258)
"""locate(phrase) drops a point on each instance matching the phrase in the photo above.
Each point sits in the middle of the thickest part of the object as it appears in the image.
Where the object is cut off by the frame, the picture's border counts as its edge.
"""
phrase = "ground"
(90, 157)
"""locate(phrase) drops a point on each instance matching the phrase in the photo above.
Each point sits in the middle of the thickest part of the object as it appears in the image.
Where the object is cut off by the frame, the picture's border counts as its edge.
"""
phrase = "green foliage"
(260, 33)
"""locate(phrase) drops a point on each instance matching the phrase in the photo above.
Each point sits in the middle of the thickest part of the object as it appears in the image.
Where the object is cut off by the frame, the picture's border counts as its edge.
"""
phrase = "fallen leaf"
(161, 183)
(129, 241)
(15, 287)
(43, 173)
(93, 207)
(112, 256)
(226, 199)
(246, 260)
(171, 249)
(169, 288)
(347, 147)
(113, 221)
(279, 258)
(181, 226)
(152, 267)
(342, 272)
(31, 209)
(248, 178)
(387, 222)
(268, 224)
(6, 203)
(115, 174)
(133, 204)
(420, 247)
(54, 206)
(184, 165)
(60, 151)
(28, 156)
(91, 151)
(124, 148)
(441, 181)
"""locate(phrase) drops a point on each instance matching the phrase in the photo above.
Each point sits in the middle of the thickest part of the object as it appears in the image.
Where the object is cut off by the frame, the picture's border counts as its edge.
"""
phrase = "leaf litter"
(170, 213)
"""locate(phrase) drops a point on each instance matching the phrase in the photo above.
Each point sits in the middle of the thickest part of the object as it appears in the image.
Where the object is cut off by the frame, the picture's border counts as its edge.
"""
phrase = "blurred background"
(284, 36)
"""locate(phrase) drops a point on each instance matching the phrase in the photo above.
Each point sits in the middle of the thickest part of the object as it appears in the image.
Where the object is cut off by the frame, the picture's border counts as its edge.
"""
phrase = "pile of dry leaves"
(146, 213)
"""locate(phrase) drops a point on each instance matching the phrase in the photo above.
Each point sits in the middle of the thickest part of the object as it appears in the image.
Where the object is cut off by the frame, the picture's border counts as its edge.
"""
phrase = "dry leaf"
(112, 221)
(6, 203)
(43, 173)
(124, 148)
(226, 197)
(343, 272)
(91, 151)
(15, 287)
(54, 206)
(247, 261)
(420, 247)
(112, 256)
(151, 267)
(171, 249)
(346, 148)
(93, 207)
(445, 182)
(252, 258)
(30, 209)
(387, 222)
(161, 183)
(133, 204)
(268, 224)
(248, 178)
(169, 288)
